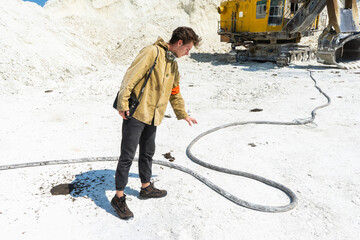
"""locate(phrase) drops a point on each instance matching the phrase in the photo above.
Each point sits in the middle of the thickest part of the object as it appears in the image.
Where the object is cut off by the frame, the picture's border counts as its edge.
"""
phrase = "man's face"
(181, 49)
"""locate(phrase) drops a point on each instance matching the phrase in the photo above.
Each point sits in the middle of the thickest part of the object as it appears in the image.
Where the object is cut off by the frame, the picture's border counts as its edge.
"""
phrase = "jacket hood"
(161, 43)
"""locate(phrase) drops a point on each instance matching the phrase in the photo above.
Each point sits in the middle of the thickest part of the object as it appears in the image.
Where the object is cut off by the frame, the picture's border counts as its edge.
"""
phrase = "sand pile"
(70, 38)
(121, 27)
(37, 48)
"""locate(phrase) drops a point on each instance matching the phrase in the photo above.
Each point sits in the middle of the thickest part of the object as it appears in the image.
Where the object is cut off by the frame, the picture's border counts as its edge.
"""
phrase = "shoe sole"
(144, 197)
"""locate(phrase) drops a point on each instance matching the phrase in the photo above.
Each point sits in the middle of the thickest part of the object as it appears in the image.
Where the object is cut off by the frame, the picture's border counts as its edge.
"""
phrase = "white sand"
(80, 50)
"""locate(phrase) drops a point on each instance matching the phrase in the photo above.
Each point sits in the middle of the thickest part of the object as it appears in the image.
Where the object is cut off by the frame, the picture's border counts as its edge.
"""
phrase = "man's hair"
(185, 34)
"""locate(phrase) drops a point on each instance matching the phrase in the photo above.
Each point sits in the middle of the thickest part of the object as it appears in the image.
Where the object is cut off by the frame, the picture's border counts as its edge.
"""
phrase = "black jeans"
(135, 133)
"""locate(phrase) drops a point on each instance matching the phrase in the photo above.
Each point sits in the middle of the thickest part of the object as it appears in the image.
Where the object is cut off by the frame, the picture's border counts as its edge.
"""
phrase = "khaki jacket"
(162, 86)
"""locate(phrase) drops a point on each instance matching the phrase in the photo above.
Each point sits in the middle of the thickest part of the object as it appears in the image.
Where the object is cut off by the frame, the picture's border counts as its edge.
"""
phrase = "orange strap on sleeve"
(175, 90)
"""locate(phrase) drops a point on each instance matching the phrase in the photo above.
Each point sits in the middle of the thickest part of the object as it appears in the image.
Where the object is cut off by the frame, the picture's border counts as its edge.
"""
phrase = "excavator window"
(294, 7)
(261, 9)
(276, 12)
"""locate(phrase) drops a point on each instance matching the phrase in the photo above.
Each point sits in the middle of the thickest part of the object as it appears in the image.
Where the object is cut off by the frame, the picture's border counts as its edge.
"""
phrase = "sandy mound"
(70, 38)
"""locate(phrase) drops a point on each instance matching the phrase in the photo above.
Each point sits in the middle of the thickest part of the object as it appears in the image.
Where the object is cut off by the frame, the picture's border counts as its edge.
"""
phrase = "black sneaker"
(151, 192)
(119, 204)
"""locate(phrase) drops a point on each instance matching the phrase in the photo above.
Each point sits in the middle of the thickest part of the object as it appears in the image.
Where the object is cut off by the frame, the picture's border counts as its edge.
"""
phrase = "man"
(140, 128)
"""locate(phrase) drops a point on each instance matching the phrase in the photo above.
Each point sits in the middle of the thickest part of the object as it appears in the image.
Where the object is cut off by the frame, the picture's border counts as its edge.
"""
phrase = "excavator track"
(296, 54)
(304, 55)
(283, 54)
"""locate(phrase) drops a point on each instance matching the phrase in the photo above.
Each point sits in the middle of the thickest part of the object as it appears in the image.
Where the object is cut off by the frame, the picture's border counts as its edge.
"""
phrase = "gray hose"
(293, 198)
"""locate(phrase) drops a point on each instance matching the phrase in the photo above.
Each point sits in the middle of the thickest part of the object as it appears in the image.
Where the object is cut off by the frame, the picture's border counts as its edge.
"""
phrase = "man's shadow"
(94, 184)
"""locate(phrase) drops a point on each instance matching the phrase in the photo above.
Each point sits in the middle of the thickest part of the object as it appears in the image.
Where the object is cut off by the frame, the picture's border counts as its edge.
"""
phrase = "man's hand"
(123, 114)
(191, 120)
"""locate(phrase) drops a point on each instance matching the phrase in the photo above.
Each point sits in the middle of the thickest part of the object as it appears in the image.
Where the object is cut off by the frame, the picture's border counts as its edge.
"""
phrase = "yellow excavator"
(270, 30)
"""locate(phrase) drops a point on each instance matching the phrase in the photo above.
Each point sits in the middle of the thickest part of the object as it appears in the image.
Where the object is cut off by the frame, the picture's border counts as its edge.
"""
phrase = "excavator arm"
(304, 16)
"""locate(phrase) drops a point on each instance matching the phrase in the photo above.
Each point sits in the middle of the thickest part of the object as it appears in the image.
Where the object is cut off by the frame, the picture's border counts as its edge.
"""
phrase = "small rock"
(62, 189)
(169, 157)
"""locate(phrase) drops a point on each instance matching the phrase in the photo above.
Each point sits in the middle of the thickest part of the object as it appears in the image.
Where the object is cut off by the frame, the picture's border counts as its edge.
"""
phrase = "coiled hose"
(293, 198)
